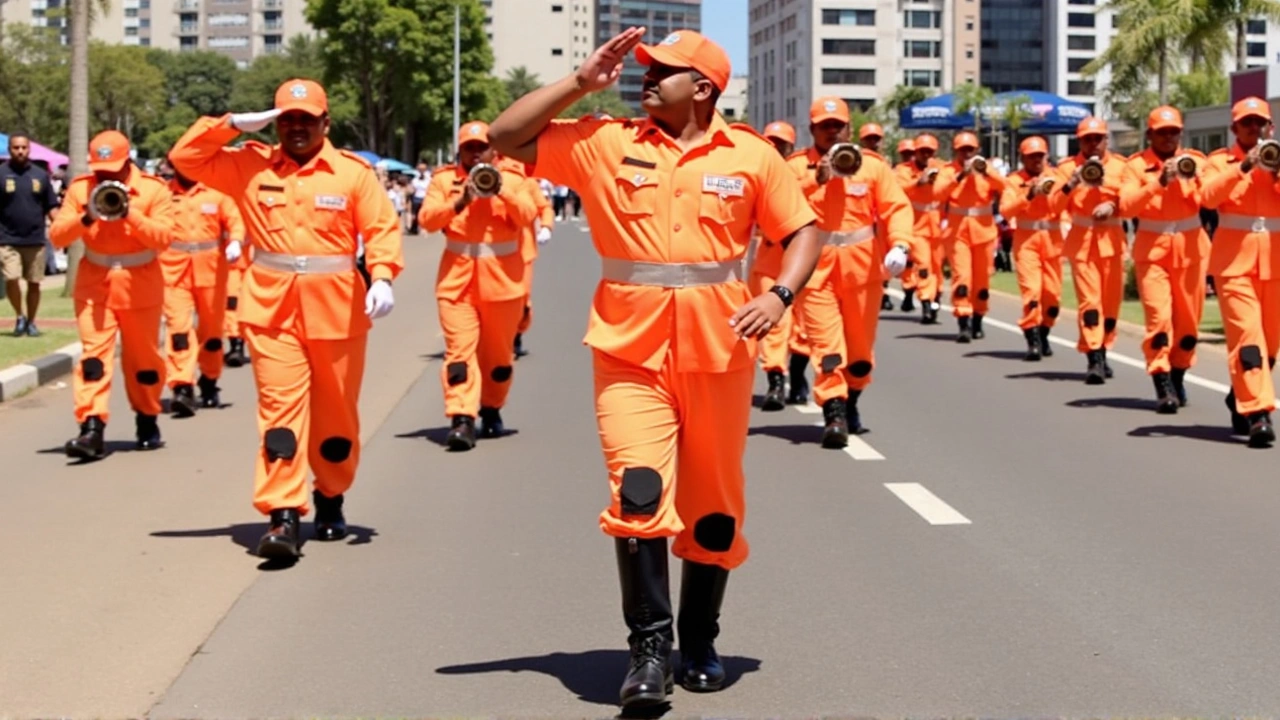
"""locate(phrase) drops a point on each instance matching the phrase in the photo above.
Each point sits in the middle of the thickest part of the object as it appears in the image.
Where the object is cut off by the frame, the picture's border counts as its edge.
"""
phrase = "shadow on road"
(901, 317)
(1050, 375)
(1119, 403)
(998, 354)
(796, 434)
(438, 435)
(111, 446)
(595, 675)
(1210, 433)
(940, 337)
(246, 535)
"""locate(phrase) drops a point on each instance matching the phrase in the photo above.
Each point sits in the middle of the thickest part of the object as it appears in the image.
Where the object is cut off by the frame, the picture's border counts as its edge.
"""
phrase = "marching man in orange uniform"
(1095, 244)
(971, 229)
(207, 233)
(841, 308)
(1037, 244)
(538, 234)
(917, 179)
(119, 288)
(235, 356)
(305, 310)
(910, 278)
(870, 135)
(671, 200)
(480, 287)
(1244, 261)
(1170, 254)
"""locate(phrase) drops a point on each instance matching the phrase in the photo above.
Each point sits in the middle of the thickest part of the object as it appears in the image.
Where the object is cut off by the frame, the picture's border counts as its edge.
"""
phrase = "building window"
(848, 47)
(131, 32)
(968, 25)
(848, 17)
(1075, 65)
(921, 48)
(1079, 87)
(922, 78)
(1256, 49)
(131, 12)
(968, 54)
(1081, 42)
(1081, 20)
(1256, 27)
(836, 76)
(921, 19)
(557, 8)
(557, 52)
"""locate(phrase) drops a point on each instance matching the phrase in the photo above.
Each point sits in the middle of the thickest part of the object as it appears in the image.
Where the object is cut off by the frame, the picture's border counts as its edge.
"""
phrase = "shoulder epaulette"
(353, 156)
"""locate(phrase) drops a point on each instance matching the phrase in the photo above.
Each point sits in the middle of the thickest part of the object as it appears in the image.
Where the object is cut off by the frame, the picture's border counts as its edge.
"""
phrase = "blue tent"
(1049, 113)
(396, 166)
(371, 157)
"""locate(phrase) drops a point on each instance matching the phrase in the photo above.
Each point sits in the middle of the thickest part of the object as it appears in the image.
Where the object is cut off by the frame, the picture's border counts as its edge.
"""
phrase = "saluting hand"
(604, 66)
(254, 121)
(760, 315)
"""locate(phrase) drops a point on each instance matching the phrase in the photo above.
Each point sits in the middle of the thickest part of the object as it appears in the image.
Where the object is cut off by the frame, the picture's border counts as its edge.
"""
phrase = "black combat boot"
(1094, 375)
(1106, 366)
(89, 445)
(799, 394)
(966, 333)
(235, 356)
(1046, 347)
(183, 404)
(462, 435)
(148, 431)
(1239, 423)
(701, 594)
(210, 396)
(491, 423)
(1166, 400)
(775, 396)
(281, 540)
(519, 347)
(646, 607)
(978, 334)
(1261, 432)
(852, 417)
(835, 434)
(1033, 344)
(908, 300)
(330, 523)
(1178, 377)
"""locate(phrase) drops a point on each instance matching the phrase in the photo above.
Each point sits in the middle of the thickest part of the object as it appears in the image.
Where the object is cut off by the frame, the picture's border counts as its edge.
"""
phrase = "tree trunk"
(78, 117)
(1162, 76)
(1241, 56)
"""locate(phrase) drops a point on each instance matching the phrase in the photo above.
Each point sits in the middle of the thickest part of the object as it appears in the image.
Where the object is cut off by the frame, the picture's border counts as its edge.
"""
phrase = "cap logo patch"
(829, 106)
(1167, 115)
(104, 151)
(671, 39)
(298, 91)
(475, 130)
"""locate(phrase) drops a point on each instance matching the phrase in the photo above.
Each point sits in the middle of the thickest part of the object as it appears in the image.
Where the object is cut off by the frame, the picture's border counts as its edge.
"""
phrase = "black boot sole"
(1031, 357)
(459, 444)
(649, 699)
(276, 549)
(1094, 379)
(700, 687)
(329, 533)
(182, 409)
(1262, 439)
(1167, 406)
(76, 452)
(834, 440)
(772, 403)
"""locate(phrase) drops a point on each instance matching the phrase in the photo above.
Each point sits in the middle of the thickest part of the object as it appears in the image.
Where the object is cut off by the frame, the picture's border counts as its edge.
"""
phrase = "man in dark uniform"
(26, 200)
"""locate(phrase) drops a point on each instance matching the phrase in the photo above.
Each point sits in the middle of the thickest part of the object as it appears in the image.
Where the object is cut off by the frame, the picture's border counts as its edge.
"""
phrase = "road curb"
(23, 377)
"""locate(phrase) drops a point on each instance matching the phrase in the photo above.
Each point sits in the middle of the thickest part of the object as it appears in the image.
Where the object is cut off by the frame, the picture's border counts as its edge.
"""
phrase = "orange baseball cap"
(1091, 126)
(870, 130)
(782, 131)
(688, 49)
(906, 146)
(1164, 117)
(473, 132)
(963, 140)
(304, 95)
(828, 108)
(108, 151)
(1251, 107)
(1033, 145)
(926, 142)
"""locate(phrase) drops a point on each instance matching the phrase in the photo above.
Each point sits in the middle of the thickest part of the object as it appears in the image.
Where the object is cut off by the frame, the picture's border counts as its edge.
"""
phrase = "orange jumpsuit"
(1037, 249)
(1246, 273)
(480, 286)
(672, 379)
(765, 267)
(235, 280)
(1095, 249)
(928, 253)
(971, 229)
(119, 288)
(195, 278)
(302, 306)
(529, 248)
(1170, 253)
(911, 276)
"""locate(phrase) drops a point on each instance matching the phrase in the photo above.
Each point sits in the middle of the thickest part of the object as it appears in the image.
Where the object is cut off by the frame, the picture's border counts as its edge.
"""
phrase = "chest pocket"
(273, 204)
(724, 199)
(635, 191)
(330, 212)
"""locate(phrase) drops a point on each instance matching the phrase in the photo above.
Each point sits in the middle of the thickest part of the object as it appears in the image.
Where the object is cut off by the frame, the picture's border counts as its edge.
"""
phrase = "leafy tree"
(1200, 89)
(128, 92)
(34, 85)
(201, 80)
(972, 97)
(1237, 14)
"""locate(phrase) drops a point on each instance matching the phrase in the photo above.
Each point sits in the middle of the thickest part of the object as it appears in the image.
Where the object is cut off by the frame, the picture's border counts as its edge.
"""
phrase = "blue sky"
(725, 21)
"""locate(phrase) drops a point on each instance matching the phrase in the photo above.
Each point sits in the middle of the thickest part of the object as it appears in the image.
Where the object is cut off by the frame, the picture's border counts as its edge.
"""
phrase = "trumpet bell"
(1045, 185)
(1186, 166)
(1092, 171)
(846, 159)
(486, 180)
(110, 200)
(1269, 154)
(978, 164)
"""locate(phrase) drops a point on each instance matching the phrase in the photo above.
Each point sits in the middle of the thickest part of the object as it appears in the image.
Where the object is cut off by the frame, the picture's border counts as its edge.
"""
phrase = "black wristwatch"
(783, 294)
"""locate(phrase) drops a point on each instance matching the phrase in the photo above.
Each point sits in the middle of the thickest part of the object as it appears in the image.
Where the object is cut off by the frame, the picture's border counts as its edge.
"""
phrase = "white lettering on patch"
(331, 202)
(724, 186)
(858, 189)
(209, 208)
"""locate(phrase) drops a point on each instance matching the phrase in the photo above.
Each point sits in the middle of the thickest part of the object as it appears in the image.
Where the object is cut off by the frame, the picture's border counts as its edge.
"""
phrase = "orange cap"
(1251, 107)
(1033, 145)
(963, 140)
(688, 49)
(1164, 117)
(782, 131)
(870, 130)
(1091, 126)
(473, 132)
(108, 151)
(906, 146)
(828, 108)
(926, 142)
(304, 95)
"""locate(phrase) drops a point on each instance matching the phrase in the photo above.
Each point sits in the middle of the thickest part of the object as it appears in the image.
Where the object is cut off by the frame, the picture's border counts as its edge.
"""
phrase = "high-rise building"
(1013, 45)
(549, 38)
(660, 17)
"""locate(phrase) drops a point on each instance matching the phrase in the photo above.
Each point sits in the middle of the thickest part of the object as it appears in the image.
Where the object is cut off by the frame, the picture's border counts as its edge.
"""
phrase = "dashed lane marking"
(858, 449)
(926, 504)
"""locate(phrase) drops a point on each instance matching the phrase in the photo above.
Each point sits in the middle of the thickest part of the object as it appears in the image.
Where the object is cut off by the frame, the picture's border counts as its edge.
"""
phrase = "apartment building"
(239, 29)
(549, 38)
(660, 17)
(859, 50)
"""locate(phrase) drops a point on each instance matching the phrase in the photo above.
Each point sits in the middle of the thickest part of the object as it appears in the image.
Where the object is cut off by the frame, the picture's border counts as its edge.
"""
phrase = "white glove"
(254, 121)
(233, 251)
(544, 234)
(895, 261)
(379, 300)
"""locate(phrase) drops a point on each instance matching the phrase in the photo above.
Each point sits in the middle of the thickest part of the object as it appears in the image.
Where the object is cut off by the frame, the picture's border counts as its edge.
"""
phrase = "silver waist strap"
(1248, 223)
(304, 264)
(1037, 225)
(120, 261)
(481, 250)
(194, 247)
(1090, 221)
(925, 207)
(851, 237)
(1170, 227)
(970, 211)
(670, 275)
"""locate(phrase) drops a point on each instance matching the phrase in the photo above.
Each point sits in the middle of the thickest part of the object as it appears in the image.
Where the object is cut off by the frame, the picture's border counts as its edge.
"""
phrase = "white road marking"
(808, 409)
(858, 449)
(1111, 355)
(926, 504)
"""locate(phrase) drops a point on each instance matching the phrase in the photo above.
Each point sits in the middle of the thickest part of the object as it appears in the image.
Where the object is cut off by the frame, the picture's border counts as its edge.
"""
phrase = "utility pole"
(457, 71)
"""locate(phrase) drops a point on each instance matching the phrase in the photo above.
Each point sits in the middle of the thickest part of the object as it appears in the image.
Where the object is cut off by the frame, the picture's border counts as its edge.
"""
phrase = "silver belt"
(1248, 223)
(925, 207)
(852, 237)
(1086, 221)
(1169, 227)
(120, 261)
(1037, 225)
(480, 250)
(670, 275)
(194, 247)
(970, 211)
(304, 264)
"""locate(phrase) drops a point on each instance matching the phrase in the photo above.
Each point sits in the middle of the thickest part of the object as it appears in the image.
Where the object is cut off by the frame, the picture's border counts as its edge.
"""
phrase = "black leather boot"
(1166, 401)
(1106, 366)
(1033, 344)
(1178, 378)
(210, 396)
(929, 311)
(701, 594)
(1239, 423)
(89, 445)
(1261, 432)
(183, 404)
(281, 540)
(235, 356)
(908, 300)
(886, 302)
(835, 434)
(646, 607)
(491, 423)
(330, 523)
(966, 333)
(462, 435)
(978, 334)
(519, 347)
(148, 431)
(775, 397)
(852, 417)
(799, 394)
(1093, 375)
(1046, 347)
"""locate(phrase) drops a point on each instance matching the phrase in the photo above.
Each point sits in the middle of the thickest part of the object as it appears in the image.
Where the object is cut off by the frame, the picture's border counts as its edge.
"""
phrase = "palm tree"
(972, 97)
(1152, 32)
(1237, 14)
(520, 82)
(83, 13)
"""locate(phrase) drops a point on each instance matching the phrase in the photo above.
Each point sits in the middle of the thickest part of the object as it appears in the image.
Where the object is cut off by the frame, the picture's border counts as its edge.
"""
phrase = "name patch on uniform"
(331, 202)
(271, 188)
(10, 185)
(857, 189)
(726, 186)
(634, 162)
(209, 209)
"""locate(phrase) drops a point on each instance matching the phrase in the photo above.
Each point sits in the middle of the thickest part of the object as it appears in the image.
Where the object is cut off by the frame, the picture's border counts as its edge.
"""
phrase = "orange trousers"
(308, 399)
(840, 317)
(1099, 285)
(140, 359)
(774, 346)
(179, 305)
(479, 355)
(971, 267)
(231, 320)
(527, 318)
(1251, 321)
(673, 443)
(1039, 268)
(1172, 303)
(928, 259)
(909, 278)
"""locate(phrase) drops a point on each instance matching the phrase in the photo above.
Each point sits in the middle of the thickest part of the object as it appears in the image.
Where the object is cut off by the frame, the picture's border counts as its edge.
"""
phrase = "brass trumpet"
(1092, 171)
(486, 179)
(1186, 166)
(931, 174)
(978, 164)
(1044, 185)
(1269, 154)
(846, 159)
(109, 200)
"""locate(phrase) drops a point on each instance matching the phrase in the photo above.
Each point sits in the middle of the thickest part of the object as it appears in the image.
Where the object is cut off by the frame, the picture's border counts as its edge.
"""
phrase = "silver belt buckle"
(117, 264)
(300, 263)
(1259, 224)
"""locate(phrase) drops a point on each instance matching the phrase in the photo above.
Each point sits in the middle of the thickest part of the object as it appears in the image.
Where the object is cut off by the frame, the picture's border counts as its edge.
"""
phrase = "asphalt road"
(1005, 541)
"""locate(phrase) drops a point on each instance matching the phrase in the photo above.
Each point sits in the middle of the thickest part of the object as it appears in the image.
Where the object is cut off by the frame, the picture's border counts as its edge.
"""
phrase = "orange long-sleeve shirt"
(1168, 217)
(201, 215)
(969, 213)
(1248, 206)
(1032, 217)
(1086, 233)
(928, 211)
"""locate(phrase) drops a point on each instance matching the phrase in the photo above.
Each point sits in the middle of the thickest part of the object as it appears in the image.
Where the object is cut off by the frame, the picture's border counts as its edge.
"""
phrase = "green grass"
(14, 350)
(52, 305)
